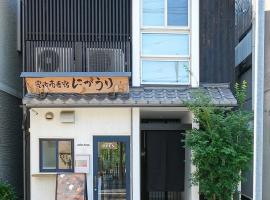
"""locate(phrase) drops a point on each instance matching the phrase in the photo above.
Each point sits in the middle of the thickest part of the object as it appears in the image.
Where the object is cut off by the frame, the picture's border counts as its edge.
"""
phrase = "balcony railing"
(77, 35)
(53, 56)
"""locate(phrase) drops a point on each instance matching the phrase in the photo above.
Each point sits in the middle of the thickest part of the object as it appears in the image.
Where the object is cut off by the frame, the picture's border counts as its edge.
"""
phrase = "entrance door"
(162, 165)
(111, 168)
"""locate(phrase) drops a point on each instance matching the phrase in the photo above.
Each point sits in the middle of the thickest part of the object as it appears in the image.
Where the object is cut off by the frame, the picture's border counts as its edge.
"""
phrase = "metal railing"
(77, 35)
(66, 56)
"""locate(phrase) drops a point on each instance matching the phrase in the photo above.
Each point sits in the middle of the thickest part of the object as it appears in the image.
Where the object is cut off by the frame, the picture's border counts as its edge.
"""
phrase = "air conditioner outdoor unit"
(105, 60)
(54, 59)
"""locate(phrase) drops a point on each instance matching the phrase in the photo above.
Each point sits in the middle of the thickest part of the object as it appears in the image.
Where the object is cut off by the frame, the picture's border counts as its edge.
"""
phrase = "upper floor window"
(165, 42)
(165, 13)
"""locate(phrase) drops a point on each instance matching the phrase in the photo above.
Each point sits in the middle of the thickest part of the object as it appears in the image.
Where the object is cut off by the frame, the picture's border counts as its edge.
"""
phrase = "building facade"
(105, 85)
(244, 67)
(11, 145)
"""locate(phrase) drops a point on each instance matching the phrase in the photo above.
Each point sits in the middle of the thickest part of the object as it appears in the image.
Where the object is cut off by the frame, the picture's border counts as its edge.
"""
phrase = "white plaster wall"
(88, 122)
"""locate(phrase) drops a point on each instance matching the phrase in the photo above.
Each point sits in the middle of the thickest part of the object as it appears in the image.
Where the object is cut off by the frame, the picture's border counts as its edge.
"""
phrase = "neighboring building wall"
(88, 122)
(266, 156)
(11, 165)
(243, 71)
(10, 59)
(11, 156)
(246, 74)
(216, 41)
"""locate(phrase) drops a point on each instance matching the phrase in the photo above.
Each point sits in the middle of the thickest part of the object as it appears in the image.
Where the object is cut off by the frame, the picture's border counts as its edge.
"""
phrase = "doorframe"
(112, 138)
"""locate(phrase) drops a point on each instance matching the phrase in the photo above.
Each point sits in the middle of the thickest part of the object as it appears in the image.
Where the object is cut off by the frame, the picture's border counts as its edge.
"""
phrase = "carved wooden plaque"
(78, 85)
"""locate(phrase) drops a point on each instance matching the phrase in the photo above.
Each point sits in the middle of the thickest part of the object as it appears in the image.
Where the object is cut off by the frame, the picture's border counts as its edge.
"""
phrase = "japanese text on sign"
(79, 85)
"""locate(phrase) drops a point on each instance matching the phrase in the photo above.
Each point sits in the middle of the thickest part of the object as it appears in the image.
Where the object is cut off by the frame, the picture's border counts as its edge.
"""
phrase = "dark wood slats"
(217, 41)
(77, 20)
(164, 195)
(77, 35)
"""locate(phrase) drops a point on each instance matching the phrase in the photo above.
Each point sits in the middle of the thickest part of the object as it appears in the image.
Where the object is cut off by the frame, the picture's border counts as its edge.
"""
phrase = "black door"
(163, 165)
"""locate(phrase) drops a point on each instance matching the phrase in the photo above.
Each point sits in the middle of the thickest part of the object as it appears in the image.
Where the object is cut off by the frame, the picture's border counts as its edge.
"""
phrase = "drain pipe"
(25, 132)
(258, 98)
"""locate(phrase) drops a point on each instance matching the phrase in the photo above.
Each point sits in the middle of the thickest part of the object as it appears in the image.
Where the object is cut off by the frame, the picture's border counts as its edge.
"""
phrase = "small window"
(153, 13)
(162, 44)
(177, 12)
(165, 72)
(56, 155)
(165, 13)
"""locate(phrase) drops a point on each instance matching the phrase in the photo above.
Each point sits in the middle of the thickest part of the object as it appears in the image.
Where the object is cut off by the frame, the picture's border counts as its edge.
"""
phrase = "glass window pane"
(175, 72)
(165, 44)
(178, 12)
(65, 155)
(48, 154)
(153, 12)
(112, 170)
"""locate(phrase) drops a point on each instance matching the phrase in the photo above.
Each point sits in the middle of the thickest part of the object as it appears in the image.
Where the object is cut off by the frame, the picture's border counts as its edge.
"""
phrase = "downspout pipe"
(258, 98)
(25, 169)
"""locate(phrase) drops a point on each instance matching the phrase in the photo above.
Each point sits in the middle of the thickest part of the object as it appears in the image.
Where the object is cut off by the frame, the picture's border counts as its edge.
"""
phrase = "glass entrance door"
(111, 168)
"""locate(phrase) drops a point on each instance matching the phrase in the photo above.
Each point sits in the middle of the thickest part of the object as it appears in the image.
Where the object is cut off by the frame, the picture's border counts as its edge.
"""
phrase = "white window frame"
(165, 83)
(166, 29)
(166, 56)
(166, 26)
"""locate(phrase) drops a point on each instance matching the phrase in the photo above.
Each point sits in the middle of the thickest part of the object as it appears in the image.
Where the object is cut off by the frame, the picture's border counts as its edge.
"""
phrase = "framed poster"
(82, 164)
(71, 186)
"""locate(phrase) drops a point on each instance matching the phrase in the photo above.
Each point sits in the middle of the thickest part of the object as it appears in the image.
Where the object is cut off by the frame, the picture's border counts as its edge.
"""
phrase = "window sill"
(41, 174)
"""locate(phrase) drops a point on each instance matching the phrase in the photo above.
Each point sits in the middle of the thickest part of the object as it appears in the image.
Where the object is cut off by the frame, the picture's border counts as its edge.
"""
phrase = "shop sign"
(109, 145)
(78, 85)
(82, 147)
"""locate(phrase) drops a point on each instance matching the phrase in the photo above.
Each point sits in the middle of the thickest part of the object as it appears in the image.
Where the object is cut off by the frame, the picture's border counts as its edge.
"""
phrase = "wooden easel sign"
(71, 186)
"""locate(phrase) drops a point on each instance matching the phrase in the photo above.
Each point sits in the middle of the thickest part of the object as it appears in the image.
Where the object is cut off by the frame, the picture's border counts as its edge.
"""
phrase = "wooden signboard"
(71, 186)
(78, 85)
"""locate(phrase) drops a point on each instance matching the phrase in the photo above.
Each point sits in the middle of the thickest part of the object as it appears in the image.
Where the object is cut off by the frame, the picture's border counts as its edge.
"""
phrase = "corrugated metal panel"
(243, 49)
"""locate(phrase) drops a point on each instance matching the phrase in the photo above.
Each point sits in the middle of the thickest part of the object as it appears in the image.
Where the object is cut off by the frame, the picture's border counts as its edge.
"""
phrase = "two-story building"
(105, 85)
